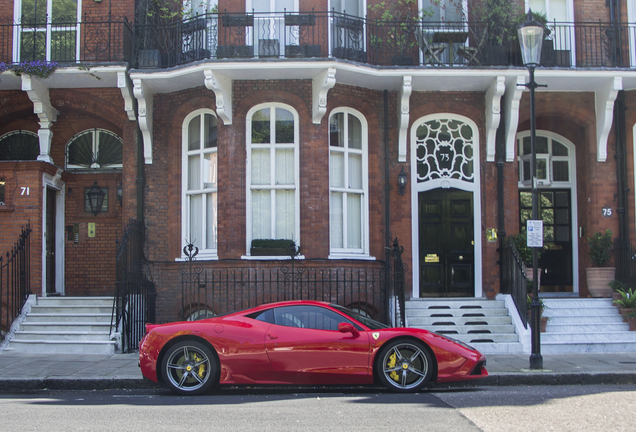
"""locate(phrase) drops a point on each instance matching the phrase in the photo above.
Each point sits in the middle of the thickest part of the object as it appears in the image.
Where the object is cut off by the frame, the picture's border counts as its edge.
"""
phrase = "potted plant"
(274, 247)
(616, 287)
(542, 306)
(631, 320)
(599, 276)
(395, 26)
(627, 303)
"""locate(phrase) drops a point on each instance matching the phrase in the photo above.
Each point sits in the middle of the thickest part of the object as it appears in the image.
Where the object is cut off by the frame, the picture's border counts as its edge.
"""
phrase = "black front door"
(446, 243)
(555, 262)
(50, 240)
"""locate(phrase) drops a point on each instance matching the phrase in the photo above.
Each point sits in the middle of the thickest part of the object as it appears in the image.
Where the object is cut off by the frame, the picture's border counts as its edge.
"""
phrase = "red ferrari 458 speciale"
(301, 342)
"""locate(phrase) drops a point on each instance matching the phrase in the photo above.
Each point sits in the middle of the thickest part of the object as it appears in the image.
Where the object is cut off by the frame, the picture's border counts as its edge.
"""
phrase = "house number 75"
(607, 211)
(25, 190)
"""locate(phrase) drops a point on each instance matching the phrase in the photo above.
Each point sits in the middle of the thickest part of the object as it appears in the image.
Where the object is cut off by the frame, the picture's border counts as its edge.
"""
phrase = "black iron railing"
(514, 280)
(212, 291)
(15, 286)
(413, 43)
(90, 40)
(134, 303)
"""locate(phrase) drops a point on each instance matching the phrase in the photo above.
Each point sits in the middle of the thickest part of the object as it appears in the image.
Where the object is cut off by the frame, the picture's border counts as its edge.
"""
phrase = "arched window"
(200, 182)
(272, 174)
(19, 145)
(94, 149)
(348, 183)
(553, 160)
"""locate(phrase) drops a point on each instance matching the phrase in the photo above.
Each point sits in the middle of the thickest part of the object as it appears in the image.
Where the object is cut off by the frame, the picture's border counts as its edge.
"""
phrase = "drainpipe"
(387, 187)
(140, 176)
(500, 150)
(621, 166)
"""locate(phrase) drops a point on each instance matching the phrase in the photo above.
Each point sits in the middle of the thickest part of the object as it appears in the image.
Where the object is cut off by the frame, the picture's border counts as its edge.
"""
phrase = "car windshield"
(371, 323)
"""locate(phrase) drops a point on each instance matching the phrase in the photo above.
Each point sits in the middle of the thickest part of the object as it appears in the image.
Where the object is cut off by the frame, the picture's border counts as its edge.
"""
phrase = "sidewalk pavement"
(22, 372)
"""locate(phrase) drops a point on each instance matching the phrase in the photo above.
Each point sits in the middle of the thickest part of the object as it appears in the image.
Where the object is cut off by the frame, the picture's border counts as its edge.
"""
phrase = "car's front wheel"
(404, 365)
(189, 368)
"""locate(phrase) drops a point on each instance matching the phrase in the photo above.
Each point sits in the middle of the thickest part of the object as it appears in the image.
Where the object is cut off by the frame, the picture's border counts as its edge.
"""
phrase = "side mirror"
(348, 328)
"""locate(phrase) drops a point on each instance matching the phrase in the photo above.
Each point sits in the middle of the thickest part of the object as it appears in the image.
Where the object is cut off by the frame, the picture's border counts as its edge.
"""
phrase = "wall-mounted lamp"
(402, 180)
(120, 193)
(96, 198)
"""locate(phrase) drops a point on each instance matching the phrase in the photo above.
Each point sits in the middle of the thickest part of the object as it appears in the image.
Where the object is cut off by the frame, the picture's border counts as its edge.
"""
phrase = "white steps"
(585, 325)
(66, 325)
(483, 324)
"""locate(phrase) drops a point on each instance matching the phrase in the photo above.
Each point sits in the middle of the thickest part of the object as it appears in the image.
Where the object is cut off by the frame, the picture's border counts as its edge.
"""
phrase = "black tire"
(190, 368)
(404, 366)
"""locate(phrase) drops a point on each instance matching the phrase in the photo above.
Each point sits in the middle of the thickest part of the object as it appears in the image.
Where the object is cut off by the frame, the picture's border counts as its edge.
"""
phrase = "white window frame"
(49, 29)
(423, 4)
(548, 157)
(272, 187)
(346, 252)
(95, 146)
(205, 253)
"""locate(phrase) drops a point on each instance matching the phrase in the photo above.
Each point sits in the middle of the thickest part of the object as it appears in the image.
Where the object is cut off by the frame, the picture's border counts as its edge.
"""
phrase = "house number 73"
(25, 190)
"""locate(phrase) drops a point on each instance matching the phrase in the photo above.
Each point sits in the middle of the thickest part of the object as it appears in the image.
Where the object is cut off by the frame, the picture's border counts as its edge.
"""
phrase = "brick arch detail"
(345, 101)
(268, 96)
(90, 104)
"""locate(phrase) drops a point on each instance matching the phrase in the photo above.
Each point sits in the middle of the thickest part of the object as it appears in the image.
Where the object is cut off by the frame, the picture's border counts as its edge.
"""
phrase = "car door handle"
(271, 336)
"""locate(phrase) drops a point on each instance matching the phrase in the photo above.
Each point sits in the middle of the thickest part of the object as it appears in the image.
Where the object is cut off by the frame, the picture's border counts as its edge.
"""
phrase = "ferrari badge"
(375, 335)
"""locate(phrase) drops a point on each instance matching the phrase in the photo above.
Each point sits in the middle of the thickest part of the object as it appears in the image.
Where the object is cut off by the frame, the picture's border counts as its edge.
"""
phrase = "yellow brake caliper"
(392, 361)
(201, 366)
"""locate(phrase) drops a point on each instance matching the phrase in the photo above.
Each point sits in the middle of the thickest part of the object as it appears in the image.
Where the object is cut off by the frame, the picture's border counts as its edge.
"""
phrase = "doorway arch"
(446, 190)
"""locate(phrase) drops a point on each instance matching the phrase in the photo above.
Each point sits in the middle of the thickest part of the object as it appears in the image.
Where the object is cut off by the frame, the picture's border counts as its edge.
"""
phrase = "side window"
(348, 183)
(94, 149)
(265, 316)
(199, 182)
(310, 317)
(272, 174)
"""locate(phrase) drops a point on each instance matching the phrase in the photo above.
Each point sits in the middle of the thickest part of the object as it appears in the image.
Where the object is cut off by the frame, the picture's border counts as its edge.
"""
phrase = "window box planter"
(229, 51)
(149, 58)
(302, 50)
(237, 20)
(280, 247)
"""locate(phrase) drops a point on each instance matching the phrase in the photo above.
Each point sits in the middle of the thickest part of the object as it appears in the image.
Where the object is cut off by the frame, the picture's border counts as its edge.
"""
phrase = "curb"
(493, 380)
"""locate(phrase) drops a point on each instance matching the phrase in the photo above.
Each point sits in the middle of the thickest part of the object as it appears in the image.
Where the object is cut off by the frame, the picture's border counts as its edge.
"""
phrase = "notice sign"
(534, 228)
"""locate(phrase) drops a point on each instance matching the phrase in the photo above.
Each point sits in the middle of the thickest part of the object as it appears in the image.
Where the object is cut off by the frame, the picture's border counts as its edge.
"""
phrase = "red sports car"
(301, 342)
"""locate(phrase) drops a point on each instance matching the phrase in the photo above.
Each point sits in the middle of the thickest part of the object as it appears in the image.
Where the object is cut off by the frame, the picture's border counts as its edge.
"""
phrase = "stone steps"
(483, 324)
(65, 325)
(585, 325)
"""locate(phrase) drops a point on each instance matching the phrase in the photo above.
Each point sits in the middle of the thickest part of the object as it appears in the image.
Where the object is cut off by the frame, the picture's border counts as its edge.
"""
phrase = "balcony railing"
(85, 41)
(231, 36)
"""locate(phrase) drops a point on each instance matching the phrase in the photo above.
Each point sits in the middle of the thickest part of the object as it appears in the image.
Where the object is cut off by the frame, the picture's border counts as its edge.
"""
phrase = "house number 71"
(25, 190)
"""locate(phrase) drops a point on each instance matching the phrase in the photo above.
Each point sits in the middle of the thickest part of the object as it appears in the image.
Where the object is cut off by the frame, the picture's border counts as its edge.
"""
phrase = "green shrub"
(600, 245)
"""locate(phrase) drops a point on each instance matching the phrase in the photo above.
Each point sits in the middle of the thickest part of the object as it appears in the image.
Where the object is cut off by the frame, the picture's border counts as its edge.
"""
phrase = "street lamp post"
(531, 40)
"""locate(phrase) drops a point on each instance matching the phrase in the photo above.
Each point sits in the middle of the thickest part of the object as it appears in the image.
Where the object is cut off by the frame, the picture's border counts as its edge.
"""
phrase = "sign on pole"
(534, 228)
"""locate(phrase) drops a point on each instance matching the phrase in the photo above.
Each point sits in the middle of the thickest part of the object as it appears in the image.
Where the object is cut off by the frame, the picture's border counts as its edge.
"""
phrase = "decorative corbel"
(125, 86)
(404, 117)
(222, 88)
(512, 97)
(321, 85)
(144, 106)
(38, 92)
(493, 114)
(605, 98)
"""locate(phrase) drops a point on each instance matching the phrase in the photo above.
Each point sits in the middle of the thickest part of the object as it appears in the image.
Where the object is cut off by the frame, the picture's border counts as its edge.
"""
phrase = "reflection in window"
(19, 145)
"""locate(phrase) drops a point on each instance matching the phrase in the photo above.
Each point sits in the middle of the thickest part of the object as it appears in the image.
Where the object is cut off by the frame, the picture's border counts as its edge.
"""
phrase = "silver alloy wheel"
(405, 366)
(188, 368)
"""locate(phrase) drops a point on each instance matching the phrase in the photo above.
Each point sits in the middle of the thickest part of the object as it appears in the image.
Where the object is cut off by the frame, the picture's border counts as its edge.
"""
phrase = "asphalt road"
(535, 408)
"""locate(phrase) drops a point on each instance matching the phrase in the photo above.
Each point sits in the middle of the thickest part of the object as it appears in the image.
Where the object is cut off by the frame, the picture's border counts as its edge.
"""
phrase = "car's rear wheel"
(404, 365)
(189, 368)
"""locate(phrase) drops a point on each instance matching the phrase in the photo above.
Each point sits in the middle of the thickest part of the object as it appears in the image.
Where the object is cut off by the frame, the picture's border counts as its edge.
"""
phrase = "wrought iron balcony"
(231, 36)
(305, 35)
(87, 41)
